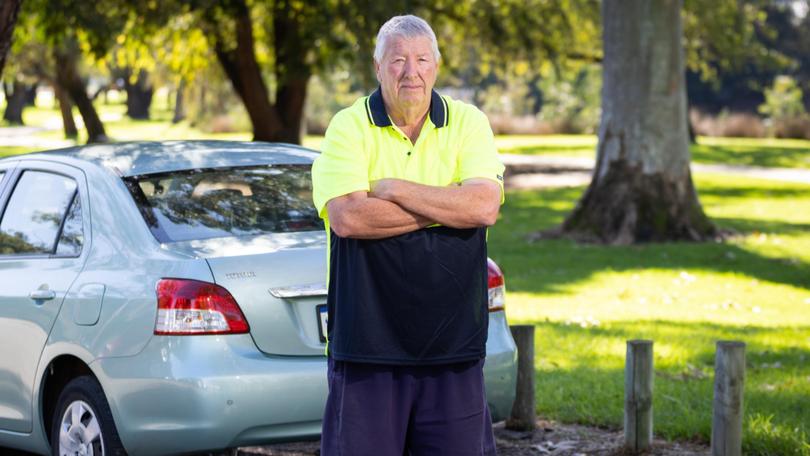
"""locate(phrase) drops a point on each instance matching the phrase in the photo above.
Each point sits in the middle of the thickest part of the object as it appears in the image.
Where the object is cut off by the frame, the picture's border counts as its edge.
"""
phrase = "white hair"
(408, 26)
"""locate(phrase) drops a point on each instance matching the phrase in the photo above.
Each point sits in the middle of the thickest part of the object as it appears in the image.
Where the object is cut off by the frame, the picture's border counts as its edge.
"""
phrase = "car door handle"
(42, 295)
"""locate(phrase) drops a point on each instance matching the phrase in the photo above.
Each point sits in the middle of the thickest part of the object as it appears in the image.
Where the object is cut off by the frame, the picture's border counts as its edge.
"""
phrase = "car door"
(44, 238)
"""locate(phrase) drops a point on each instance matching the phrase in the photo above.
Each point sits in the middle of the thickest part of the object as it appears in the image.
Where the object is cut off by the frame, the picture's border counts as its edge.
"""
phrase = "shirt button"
(409, 153)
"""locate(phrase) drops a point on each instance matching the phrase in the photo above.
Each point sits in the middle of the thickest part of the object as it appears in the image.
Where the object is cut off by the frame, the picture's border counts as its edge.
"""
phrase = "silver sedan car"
(169, 297)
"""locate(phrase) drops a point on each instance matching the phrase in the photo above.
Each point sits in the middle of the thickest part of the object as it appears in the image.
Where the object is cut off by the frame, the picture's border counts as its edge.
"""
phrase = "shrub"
(503, 124)
(792, 127)
(727, 124)
(573, 106)
(783, 99)
(783, 105)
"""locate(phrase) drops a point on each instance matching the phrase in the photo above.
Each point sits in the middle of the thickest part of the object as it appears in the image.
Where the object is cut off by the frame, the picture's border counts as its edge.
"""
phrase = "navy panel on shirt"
(417, 298)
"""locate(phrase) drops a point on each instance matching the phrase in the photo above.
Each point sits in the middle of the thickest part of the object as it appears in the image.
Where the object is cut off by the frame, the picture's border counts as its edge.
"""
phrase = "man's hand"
(476, 202)
(384, 189)
(357, 215)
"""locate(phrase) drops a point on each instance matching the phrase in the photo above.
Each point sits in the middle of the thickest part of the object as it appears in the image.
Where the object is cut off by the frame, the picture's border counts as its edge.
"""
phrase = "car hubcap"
(79, 433)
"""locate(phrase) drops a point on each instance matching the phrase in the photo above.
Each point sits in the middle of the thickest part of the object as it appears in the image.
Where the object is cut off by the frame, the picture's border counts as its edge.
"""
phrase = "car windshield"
(209, 203)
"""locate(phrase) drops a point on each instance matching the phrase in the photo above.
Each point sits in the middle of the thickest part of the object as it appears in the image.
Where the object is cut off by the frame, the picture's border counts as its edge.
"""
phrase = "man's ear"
(377, 70)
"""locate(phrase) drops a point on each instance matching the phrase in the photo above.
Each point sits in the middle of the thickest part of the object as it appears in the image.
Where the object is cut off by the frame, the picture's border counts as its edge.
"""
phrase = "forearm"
(359, 216)
(470, 205)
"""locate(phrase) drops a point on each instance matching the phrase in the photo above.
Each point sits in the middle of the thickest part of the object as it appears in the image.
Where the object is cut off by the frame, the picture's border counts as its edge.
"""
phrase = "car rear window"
(222, 202)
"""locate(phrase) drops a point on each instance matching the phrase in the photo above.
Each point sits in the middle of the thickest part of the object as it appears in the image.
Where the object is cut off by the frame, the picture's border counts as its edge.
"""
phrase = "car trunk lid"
(278, 280)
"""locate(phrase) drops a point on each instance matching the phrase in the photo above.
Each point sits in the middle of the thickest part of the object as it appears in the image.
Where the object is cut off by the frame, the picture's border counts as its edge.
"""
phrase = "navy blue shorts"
(385, 410)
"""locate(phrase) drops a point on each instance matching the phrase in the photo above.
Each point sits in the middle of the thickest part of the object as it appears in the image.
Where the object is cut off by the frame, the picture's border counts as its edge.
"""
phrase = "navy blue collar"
(377, 115)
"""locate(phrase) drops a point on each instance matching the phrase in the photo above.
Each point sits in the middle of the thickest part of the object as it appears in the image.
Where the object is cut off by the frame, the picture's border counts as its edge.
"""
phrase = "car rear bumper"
(185, 394)
(500, 367)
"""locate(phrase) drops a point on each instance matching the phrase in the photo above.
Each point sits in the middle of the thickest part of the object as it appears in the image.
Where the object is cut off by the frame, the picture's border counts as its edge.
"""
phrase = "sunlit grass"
(567, 145)
(765, 152)
(586, 301)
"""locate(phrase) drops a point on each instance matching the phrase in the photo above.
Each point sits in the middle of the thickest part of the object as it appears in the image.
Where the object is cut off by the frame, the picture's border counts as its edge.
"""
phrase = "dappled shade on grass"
(587, 300)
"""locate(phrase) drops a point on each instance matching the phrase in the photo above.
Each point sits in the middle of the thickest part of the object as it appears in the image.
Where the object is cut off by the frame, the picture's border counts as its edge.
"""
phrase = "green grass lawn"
(586, 301)
(766, 152)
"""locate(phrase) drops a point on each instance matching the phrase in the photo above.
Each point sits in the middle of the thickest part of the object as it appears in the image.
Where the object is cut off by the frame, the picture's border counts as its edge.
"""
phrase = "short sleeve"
(342, 167)
(478, 156)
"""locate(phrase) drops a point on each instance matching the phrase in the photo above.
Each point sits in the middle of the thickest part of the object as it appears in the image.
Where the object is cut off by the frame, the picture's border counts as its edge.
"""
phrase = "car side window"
(72, 237)
(35, 213)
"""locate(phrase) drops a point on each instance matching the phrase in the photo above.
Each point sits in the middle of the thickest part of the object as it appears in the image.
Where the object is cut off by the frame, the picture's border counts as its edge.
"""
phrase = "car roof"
(150, 157)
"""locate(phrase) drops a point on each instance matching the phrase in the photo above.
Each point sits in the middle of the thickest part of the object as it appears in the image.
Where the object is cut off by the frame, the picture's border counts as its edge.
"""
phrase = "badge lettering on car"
(240, 275)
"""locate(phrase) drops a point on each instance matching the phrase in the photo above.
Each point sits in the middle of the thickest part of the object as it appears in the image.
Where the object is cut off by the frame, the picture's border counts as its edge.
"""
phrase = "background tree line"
(537, 61)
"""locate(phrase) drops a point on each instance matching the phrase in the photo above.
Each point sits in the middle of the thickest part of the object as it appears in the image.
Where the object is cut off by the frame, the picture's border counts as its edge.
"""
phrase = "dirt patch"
(550, 439)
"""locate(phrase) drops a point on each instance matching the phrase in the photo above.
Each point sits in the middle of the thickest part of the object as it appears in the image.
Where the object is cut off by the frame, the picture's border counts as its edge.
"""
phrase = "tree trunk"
(67, 75)
(15, 102)
(179, 104)
(31, 94)
(281, 121)
(290, 99)
(292, 72)
(139, 95)
(9, 9)
(243, 71)
(66, 108)
(642, 187)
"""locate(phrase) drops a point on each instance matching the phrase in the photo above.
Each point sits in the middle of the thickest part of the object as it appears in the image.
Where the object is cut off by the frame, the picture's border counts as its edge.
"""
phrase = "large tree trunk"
(9, 9)
(243, 71)
(67, 75)
(66, 108)
(15, 102)
(139, 95)
(642, 187)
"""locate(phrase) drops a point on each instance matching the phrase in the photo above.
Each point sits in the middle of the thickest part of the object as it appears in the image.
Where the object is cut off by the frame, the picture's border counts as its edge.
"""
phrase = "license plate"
(322, 318)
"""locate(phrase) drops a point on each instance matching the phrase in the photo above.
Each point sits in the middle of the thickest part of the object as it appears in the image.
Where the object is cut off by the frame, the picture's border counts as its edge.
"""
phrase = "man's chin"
(412, 99)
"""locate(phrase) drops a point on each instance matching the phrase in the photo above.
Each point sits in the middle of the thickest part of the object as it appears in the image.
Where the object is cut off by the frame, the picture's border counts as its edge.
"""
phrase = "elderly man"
(407, 183)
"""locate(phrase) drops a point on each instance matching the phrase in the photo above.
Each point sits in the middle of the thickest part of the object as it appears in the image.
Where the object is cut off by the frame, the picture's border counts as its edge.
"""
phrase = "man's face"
(407, 72)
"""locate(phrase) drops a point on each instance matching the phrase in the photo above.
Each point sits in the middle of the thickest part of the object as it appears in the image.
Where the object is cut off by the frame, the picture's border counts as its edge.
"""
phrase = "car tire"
(83, 419)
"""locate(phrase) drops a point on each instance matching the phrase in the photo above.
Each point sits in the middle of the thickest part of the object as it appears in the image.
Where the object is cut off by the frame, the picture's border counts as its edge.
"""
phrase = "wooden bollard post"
(729, 382)
(638, 395)
(523, 415)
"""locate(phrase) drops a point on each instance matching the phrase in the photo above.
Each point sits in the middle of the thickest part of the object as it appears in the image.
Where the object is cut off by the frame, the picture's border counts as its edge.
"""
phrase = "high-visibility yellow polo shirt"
(363, 145)
(420, 297)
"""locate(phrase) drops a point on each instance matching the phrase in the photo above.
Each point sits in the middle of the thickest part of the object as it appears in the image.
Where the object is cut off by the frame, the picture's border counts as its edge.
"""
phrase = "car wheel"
(83, 424)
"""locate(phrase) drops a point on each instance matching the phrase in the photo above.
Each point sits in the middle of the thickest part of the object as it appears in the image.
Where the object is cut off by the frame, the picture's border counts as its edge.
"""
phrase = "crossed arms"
(395, 206)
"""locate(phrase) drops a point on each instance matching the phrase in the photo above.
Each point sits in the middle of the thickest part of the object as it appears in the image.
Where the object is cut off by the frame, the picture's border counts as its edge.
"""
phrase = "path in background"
(27, 137)
(546, 171)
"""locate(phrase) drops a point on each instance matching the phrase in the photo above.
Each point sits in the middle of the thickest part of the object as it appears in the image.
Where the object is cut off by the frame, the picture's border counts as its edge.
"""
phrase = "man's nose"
(410, 69)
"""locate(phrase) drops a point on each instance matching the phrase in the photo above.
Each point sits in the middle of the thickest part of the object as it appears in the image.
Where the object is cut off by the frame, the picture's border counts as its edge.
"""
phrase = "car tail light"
(495, 283)
(191, 307)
